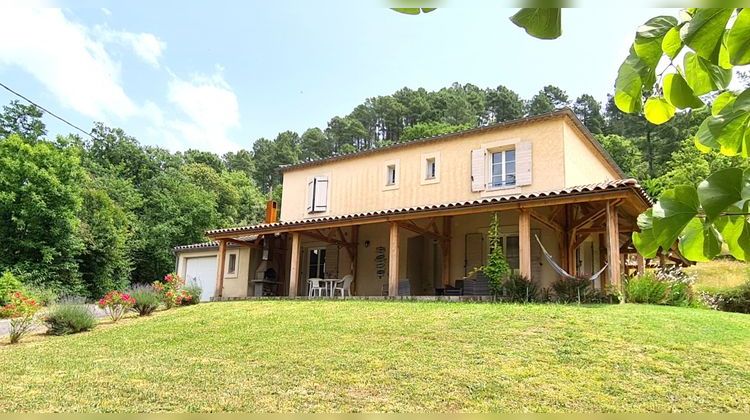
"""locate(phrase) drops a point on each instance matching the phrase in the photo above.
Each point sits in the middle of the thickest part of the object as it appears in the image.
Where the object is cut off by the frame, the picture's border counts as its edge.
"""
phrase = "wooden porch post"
(524, 242)
(220, 268)
(446, 247)
(613, 245)
(353, 254)
(641, 264)
(294, 265)
(393, 261)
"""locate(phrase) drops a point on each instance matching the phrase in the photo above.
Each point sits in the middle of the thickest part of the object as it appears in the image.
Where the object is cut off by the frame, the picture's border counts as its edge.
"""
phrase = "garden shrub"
(22, 311)
(146, 298)
(572, 290)
(116, 304)
(664, 286)
(69, 317)
(8, 284)
(518, 288)
(44, 295)
(170, 290)
(192, 294)
(731, 299)
(646, 288)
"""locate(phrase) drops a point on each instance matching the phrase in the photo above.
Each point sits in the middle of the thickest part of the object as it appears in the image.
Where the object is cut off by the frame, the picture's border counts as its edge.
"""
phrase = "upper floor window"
(430, 168)
(500, 165)
(391, 175)
(503, 169)
(317, 194)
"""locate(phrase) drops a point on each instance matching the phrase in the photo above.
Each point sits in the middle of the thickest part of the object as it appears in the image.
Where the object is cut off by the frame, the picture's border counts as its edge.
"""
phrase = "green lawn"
(390, 356)
(719, 274)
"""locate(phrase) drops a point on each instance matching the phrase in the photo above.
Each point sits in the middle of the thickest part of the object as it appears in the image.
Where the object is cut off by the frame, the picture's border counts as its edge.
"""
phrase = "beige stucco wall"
(234, 285)
(357, 185)
(583, 163)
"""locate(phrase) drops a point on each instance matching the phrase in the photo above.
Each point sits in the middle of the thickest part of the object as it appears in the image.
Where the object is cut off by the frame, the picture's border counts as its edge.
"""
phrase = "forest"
(87, 214)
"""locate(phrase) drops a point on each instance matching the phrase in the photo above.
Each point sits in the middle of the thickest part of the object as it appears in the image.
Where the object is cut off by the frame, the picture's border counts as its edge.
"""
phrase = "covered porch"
(435, 250)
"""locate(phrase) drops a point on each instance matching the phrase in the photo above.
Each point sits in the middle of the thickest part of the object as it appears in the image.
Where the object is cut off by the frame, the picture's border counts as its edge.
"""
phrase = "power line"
(46, 110)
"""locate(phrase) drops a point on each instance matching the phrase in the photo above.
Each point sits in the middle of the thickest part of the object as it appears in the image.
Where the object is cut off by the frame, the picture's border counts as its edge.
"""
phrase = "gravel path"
(5, 323)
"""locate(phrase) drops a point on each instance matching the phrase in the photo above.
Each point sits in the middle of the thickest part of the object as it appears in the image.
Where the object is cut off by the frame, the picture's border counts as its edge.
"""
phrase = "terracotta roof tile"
(622, 184)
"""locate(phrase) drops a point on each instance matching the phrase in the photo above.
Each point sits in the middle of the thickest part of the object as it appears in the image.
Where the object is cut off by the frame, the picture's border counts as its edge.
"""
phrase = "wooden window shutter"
(320, 203)
(523, 163)
(310, 195)
(478, 170)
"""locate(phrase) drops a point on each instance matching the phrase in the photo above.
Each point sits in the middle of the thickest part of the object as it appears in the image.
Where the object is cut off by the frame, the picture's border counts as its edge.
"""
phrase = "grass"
(719, 274)
(390, 356)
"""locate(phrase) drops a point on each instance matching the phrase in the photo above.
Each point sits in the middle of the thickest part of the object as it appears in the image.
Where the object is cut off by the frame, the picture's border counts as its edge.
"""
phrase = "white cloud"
(211, 108)
(64, 57)
(106, 11)
(146, 46)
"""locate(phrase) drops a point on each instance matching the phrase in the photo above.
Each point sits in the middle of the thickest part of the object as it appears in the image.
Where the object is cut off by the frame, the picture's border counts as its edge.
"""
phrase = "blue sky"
(215, 76)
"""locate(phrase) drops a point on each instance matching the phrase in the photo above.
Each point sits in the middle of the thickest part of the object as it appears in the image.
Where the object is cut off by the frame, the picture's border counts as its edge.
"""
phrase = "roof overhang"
(632, 195)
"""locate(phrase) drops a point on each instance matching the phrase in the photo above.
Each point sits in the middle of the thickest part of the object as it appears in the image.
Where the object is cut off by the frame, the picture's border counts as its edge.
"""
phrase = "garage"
(202, 271)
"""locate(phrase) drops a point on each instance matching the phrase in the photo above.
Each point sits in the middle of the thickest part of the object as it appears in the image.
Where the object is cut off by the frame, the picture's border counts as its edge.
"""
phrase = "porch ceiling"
(627, 189)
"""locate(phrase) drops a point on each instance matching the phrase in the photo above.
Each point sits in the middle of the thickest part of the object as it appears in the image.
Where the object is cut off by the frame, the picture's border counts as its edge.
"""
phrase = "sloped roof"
(564, 112)
(622, 184)
(210, 244)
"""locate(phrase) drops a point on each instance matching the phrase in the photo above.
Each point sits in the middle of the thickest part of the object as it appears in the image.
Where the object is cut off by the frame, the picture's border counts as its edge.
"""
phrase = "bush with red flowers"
(22, 311)
(116, 304)
(172, 292)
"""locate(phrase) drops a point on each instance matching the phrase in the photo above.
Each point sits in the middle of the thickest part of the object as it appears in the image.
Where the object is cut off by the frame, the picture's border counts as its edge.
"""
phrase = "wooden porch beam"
(446, 248)
(393, 261)
(549, 222)
(294, 265)
(243, 243)
(409, 225)
(613, 245)
(524, 242)
(220, 268)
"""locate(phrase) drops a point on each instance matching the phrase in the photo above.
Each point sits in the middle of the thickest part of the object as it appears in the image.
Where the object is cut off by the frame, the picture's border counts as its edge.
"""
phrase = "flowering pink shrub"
(171, 291)
(116, 304)
(21, 310)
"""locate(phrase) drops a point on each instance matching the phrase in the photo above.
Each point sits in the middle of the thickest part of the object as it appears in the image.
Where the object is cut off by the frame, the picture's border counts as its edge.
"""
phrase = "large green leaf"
(723, 100)
(675, 208)
(645, 241)
(413, 10)
(678, 93)
(729, 130)
(738, 39)
(648, 50)
(735, 230)
(543, 23)
(656, 27)
(658, 110)
(672, 43)
(721, 189)
(699, 241)
(704, 31)
(703, 77)
(629, 84)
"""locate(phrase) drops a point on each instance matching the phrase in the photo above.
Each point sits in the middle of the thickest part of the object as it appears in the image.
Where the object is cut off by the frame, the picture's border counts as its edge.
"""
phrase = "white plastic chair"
(315, 287)
(345, 285)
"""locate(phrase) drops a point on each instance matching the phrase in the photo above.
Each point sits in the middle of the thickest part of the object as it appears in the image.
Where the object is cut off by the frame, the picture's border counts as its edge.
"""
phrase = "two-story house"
(412, 218)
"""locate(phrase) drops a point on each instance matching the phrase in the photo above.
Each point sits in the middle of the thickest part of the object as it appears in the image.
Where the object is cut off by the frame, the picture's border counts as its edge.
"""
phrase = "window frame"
(425, 164)
(388, 185)
(503, 166)
(229, 271)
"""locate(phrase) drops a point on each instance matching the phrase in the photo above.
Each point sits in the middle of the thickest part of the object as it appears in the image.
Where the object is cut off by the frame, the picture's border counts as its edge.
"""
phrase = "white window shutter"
(321, 194)
(310, 194)
(523, 163)
(478, 169)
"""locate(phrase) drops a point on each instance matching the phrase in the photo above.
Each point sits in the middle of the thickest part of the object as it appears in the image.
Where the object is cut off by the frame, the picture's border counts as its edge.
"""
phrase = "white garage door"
(202, 270)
